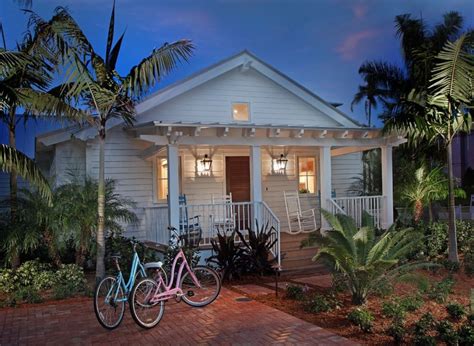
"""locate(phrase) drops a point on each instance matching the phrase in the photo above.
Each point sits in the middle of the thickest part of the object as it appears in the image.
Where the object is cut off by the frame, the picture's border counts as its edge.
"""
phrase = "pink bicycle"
(197, 287)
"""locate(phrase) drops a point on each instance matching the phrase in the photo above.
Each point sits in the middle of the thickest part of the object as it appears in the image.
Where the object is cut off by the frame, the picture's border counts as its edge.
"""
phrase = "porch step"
(296, 258)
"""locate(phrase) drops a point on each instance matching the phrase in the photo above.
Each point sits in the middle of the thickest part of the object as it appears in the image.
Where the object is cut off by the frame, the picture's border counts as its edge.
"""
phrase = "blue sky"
(319, 43)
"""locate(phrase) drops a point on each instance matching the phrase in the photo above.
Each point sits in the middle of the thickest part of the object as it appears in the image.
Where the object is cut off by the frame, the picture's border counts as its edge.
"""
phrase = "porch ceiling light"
(279, 165)
(205, 165)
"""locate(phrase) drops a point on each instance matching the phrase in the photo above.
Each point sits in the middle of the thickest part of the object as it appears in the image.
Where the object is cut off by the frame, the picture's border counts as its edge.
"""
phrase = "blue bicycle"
(112, 292)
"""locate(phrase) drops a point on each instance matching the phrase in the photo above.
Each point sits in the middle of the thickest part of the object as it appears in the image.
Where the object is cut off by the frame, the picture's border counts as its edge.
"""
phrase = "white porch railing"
(355, 206)
(214, 218)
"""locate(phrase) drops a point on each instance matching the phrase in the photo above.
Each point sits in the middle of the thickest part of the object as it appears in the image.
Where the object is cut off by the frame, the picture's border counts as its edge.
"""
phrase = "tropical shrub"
(33, 276)
(441, 290)
(397, 330)
(469, 259)
(422, 328)
(27, 294)
(117, 244)
(361, 318)
(455, 310)
(295, 292)
(257, 248)
(466, 335)
(436, 243)
(411, 303)
(227, 255)
(365, 259)
(393, 309)
(319, 303)
(447, 333)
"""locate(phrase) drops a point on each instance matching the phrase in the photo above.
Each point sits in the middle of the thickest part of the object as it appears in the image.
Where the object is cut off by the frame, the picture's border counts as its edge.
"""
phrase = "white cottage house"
(239, 140)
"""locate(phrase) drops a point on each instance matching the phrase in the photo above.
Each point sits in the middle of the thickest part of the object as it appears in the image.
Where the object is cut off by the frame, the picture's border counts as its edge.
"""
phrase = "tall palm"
(98, 86)
(381, 82)
(23, 85)
(419, 47)
(441, 112)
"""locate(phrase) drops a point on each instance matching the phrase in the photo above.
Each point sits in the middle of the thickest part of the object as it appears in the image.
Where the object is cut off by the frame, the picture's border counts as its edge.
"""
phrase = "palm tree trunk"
(13, 180)
(418, 211)
(453, 243)
(100, 265)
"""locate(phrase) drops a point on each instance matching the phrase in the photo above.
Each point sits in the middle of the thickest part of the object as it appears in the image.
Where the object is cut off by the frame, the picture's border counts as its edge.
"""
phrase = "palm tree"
(441, 112)
(363, 258)
(98, 86)
(12, 160)
(428, 186)
(381, 81)
(388, 84)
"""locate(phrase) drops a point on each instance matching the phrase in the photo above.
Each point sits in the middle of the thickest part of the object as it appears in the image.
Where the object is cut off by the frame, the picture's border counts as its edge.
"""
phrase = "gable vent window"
(240, 111)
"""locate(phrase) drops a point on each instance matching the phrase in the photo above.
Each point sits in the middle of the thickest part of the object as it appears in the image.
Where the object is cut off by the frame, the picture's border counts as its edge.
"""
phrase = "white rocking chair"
(223, 216)
(298, 220)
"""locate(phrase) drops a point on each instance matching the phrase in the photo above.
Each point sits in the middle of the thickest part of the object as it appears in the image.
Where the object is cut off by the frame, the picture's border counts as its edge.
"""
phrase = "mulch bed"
(337, 322)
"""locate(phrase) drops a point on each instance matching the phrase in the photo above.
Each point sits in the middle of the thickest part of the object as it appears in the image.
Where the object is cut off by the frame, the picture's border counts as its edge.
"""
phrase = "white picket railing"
(355, 206)
(213, 218)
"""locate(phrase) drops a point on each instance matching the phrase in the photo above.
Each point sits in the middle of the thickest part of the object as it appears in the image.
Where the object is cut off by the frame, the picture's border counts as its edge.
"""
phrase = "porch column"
(387, 185)
(256, 173)
(173, 185)
(325, 176)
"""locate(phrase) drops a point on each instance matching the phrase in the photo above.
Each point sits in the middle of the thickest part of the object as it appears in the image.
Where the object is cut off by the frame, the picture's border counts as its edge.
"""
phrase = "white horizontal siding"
(133, 175)
(69, 161)
(344, 169)
(211, 102)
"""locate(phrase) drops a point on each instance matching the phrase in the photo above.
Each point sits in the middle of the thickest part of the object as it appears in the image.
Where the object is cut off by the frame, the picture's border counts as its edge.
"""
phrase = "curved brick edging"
(226, 321)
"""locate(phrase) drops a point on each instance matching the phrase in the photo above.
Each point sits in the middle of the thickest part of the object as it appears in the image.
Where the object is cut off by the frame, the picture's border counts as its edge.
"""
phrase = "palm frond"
(452, 75)
(156, 66)
(12, 160)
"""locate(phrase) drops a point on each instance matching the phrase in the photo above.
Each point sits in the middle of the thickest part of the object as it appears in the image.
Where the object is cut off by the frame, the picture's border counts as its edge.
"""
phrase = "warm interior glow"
(162, 171)
(307, 174)
(240, 111)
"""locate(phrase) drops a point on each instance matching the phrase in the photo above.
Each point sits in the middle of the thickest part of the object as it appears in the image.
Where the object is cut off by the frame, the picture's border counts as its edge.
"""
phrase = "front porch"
(320, 164)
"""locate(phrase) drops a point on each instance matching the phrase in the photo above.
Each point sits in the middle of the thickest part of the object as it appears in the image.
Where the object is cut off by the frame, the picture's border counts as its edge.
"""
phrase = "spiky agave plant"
(363, 257)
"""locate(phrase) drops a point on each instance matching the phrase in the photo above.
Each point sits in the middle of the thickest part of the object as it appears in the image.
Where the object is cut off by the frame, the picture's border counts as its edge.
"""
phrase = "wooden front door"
(237, 172)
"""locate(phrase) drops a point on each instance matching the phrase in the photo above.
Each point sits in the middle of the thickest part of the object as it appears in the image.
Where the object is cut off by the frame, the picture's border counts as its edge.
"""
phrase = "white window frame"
(155, 179)
(232, 111)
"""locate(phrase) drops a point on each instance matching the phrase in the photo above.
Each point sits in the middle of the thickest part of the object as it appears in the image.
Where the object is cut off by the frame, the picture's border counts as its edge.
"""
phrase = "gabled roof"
(244, 60)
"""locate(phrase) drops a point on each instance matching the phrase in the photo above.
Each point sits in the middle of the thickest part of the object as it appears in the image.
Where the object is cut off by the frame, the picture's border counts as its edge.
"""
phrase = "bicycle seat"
(116, 256)
(153, 265)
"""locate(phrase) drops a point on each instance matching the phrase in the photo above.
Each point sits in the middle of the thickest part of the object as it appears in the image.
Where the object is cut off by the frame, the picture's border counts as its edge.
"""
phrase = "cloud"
(355, 43)
(359, 10)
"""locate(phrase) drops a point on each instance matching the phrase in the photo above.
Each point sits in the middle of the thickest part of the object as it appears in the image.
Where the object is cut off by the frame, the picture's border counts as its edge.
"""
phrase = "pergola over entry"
(330, 141)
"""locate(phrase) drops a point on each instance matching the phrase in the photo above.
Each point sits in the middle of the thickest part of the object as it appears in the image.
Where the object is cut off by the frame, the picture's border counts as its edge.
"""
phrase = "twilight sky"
(319, 43)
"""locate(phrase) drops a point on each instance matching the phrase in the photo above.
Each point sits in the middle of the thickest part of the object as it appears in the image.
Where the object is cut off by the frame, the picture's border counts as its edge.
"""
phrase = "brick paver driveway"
(226, 321)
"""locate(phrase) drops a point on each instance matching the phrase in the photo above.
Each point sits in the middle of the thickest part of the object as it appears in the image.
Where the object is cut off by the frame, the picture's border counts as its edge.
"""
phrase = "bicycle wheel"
(146, 314)
(210, 283)
(109, 302)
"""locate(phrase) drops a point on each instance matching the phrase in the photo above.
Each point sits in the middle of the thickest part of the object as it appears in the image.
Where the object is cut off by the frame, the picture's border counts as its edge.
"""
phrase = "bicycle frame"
(127, 286)
(168, 291)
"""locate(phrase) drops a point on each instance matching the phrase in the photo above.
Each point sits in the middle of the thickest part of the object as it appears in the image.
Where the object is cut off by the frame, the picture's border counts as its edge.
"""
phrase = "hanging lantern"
(205, 165)
(279, 165)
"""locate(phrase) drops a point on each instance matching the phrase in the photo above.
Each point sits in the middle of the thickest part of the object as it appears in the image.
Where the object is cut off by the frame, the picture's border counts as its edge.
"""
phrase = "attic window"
(240, 111)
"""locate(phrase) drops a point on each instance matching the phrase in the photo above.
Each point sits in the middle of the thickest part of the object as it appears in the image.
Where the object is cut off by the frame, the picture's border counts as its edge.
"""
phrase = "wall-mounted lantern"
(279, 165)
(205, 165)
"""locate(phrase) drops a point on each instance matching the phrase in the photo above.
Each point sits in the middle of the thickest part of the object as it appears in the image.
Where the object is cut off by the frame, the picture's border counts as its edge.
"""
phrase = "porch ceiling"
(250, 134)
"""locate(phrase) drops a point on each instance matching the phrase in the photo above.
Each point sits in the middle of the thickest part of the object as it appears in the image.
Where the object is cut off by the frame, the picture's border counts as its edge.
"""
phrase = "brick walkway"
(224, 322)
